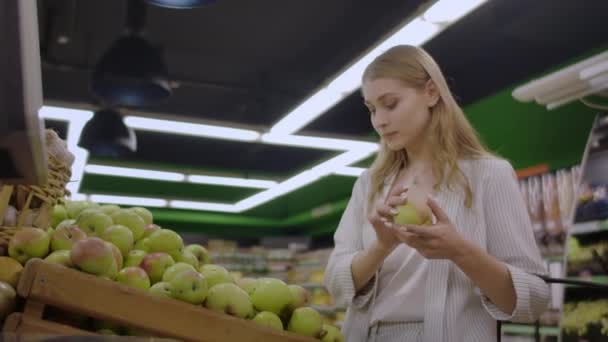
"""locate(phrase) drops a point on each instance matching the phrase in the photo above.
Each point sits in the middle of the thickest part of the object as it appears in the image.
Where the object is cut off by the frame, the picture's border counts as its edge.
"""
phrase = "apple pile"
(124, 245)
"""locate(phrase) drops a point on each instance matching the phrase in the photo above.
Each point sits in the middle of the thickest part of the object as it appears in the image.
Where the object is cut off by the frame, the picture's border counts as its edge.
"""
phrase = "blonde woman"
(451, 280)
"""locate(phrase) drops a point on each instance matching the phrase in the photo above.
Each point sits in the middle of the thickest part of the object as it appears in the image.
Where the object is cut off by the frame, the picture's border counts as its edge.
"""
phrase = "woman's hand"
(381, 219)
(438, 241)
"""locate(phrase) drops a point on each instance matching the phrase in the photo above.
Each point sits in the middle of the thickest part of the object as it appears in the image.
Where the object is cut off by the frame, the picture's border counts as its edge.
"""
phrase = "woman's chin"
(393, 146)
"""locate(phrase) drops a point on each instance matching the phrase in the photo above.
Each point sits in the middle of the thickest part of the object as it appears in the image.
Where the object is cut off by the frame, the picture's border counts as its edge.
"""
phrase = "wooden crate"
(44, 284)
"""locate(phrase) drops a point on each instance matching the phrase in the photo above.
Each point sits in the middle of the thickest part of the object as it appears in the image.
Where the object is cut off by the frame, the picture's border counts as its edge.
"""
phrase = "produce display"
(125, 246)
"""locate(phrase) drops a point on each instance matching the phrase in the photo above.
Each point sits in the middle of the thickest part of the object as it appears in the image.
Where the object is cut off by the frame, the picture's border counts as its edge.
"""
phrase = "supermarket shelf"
(589, 227)
(528, 330)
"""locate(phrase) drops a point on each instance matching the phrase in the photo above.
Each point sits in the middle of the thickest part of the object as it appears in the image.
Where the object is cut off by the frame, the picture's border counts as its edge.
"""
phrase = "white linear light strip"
(195, 205)
(177, 177)
(304, 178)
(349, 171)
(128, 200)
(78, 118)
(193, 129)
(134, 173)
(316, 142)
(415, 32)
(232, 181)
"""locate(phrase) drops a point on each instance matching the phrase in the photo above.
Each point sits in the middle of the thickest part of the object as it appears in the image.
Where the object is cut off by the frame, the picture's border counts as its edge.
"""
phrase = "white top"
(454, 309)
(401, 287)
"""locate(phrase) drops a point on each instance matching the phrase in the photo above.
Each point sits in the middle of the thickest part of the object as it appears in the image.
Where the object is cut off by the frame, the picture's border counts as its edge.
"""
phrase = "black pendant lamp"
(107, 135)
(132, 72)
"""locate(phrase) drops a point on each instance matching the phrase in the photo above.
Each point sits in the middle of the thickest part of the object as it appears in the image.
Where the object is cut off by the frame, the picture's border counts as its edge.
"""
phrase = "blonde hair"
(452, 137)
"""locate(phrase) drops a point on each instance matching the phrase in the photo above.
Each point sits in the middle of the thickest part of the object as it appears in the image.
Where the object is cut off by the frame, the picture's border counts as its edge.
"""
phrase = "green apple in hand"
(161, 289)
(268, 319)
(61, 257)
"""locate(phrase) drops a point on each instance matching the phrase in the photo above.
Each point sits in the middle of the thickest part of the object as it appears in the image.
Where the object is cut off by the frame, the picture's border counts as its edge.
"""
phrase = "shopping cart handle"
(581, 283)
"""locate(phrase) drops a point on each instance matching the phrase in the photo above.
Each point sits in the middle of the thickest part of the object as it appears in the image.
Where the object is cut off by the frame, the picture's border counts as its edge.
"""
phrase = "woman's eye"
(391, 105)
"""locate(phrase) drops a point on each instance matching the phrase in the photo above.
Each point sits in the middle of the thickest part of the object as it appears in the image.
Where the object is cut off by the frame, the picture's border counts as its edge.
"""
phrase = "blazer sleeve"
(348, 242)
(510, 239)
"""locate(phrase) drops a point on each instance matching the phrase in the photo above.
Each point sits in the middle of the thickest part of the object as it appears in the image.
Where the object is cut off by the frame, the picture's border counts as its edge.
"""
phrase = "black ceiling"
(248, 62)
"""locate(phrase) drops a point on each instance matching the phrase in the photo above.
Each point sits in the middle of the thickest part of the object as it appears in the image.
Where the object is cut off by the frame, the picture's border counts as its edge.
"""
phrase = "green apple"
(131, 220)
(409, 214)
(155, 264)
(268, 319)
(58, 215)
(135, 257)
(331, 334)
(109, 209)
(161, 289)
(230, 299)
(75, 207)
(93, 222)
(189, 286)
(247, 284)
(120, 236)
(216, 274)
(8, 300)
(142, 245)
(199, 252)
(93, 255)
(144, 213)
(185, 256)
(306, 321)
(28, 243)
(272, 295)
(66, 223)
(134, 277)
(149, 229)
(178, 267)
(64, 237)
(165, 240)
(117, 255)
(61, 257)
(301, 297)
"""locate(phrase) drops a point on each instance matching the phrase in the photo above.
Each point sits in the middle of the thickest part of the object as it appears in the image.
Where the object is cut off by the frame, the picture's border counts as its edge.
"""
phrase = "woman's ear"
(432, 93)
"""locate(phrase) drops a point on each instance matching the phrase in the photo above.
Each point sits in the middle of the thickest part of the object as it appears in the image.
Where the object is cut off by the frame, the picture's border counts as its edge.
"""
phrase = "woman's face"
(400, 114)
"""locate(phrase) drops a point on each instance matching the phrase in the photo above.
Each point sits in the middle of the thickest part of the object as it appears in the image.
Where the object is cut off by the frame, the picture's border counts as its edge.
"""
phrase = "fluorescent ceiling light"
(416, 32)
(287, 186)
(192, 205)
(232, 181)
(317, 142)
(134, 173)
(127, 200)
(299, 117)
(186, 128)
(445, 11)
(349, 171)
(304, 178)
(64, 114)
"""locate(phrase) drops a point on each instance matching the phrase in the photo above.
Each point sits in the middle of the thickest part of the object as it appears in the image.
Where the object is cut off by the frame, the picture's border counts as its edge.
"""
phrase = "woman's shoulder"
(487, 166)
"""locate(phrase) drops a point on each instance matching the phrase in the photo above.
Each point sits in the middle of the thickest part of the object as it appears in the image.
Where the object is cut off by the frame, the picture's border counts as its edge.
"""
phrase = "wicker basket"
(33, 204)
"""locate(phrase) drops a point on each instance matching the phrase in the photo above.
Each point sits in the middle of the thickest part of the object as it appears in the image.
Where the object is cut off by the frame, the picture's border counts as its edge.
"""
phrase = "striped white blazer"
(455, 310)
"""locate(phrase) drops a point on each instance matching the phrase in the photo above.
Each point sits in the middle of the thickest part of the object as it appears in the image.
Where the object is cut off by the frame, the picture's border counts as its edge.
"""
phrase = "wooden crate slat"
(19, 323)
(102, 299)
